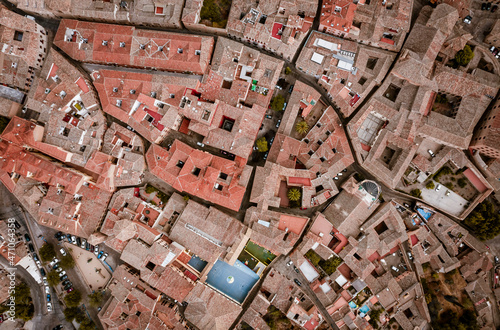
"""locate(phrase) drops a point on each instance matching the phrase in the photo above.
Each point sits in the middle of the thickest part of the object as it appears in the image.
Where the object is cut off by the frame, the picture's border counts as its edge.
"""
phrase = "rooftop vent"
(142, 46)
(160, 48)
(104, 42)
(122, 44)
(180, 50)
(132, 91)
(47, 90)
(115, 89)
(118, 103)
(197, 52)
(153, 95)
(172, 95)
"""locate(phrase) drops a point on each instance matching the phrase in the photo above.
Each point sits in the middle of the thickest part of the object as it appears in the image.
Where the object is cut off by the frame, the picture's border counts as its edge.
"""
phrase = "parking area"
(445, 199)
(94, 272)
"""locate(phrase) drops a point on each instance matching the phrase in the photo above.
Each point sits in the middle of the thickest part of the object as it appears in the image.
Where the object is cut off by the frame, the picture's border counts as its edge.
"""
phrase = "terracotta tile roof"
(128, 46)
(218, 180)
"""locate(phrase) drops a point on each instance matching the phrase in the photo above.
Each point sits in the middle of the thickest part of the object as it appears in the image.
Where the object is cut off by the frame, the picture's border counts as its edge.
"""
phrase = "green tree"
(430, 185)
(47, 252)
(261, 144)
(73, 298)
(24, 304)
(150, 189)
(330, 265)
(25, 312)
(302, 127)
(278, 103)
(449, 185)
(67, 262)
(87, 324)
(70, 313)
(464, 56)
(484, 221)
(462, 182)
(186, 198)
(210, 11)
(294, 194)
(53, 278)
(95, 299)
(288, 70)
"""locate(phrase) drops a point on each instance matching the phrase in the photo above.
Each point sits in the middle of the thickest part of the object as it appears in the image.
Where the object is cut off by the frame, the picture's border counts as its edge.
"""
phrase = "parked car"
(269, 117)
(59, 270)
(49, 307)
(84, 243)
(35, 257)
(99, 256)
(278, 123)
(335, 178)
(483, 6)
(96, 249)
(289, 263)
(67, 286)
(27, 237)
(297, 282)
(78, 241)
(64, 277)
(468, 19)
(68, 237)
(431, 153)
(47, 290)
(104, 256)
(55, 266)
(48, 297)
(87, 246)
(66, 282)
(73, 239)
(296, 269)
(16, 224)
(488, 6)
(58, 327)
(69, 290)
(53, 262)
(30, 246)
(438, 187)
(62, 273)
(265, 155)
(42, 271)
(63, 252)
(496, 259)
(447, 193)
(44, 279)
(290, 89)
(494, 8)
(91, 248)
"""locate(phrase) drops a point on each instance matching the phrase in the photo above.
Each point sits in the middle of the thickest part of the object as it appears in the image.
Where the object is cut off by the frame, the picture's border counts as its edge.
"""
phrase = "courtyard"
(92, 269)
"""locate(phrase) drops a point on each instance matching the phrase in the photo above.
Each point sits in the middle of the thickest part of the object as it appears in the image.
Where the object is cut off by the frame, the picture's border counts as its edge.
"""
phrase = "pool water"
(425, 214)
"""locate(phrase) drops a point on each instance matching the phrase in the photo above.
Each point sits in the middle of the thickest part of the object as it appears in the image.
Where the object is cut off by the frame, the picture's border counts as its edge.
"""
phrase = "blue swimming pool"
(424, 214)
(365, 309)
(234, 281)
(197, 263)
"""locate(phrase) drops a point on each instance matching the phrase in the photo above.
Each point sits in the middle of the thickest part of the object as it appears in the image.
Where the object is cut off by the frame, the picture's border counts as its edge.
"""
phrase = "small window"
(132, 91)
(138, 313)
(172, 96)
(357, 256)
(334, 150)
(196, 171)
(197, 52)
(153, 95)
(115, 89)
(206, 115)
(150, 265)
(104, 42)
(223, 176)
(310, 153)
(180, 50)
(319, 142)
(362, 81)
(118, 103)
(122, 44)
(322, 159)
(218, 187)
(180, 164)
(160, 48)
(18, 35)
(306, 141)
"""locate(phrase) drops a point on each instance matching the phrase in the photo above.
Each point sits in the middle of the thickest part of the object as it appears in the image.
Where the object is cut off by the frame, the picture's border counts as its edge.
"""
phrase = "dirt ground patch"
(94, 271)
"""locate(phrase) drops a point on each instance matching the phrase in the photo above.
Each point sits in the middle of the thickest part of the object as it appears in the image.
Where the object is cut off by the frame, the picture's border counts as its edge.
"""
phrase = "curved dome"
(371, 187)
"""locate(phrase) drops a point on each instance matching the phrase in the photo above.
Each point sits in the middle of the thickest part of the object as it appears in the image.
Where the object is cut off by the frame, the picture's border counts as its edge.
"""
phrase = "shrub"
(435, 276)
(95, 299)
(67, 261)
(416, 193)
(462, 182)
(302, 127)
(150, 189)
(288, 70)
(210, 11)
(430, 185)
(186, 198)
(484, 221)
(73, 298)
(449, 185)
(53, 278)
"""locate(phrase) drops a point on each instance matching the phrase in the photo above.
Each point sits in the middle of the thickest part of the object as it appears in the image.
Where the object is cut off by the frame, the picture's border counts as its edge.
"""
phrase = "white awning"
(317, 58)
(309, 272)
(326, 44)
(344, 65)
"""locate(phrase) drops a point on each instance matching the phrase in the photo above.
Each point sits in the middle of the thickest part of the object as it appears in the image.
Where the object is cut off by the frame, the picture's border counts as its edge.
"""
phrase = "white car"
(96, 249)
(53, 262)
(38, 263)
(289, 263)
(438, 187)
(62, 273)
(104, 257)
(47, 290)
(73, 239)
(84, 243)
(63, 252)
(45, 281)
(431, 153)
(49, 307)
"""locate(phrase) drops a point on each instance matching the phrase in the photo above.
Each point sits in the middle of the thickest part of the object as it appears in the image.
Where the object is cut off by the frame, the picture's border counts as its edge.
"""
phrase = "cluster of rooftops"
(193, 256)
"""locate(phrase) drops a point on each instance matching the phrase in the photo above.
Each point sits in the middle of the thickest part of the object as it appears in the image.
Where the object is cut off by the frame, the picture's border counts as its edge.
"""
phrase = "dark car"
(488, 6)
(290, 89)
(494, 8)
(78, 241)
(297, 282)
(58, 327)
(35, 257)
(42, 271)
(17, 224)
(66, 282)
(67, 286)
(30, 246)
(55, 266)
(27, 237)
(64, 277)
(91, 248)
(296, 269)
(87, 246)
(483, 6)
(68, 236)
(59, 236)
